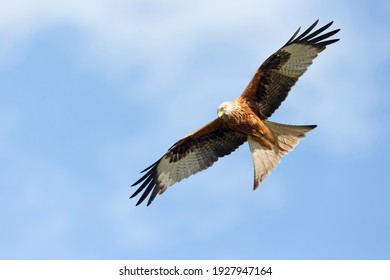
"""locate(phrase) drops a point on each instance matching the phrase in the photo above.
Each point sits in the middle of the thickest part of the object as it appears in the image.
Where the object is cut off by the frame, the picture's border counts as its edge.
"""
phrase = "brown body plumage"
(244, 119)
(239, 117)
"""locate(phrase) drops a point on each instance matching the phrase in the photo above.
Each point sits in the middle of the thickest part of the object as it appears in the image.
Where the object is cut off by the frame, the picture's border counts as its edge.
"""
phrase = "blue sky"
(92, 92)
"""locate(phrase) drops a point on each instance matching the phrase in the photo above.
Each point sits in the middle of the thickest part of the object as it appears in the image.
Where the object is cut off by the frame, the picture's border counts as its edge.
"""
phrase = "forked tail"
(264, 159)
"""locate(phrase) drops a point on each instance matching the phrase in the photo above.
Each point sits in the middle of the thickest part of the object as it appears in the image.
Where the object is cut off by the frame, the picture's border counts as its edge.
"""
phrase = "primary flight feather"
(244, 119)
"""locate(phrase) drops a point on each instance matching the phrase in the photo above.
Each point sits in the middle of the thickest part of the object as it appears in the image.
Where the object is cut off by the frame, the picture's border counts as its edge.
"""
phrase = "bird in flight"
(244, 119)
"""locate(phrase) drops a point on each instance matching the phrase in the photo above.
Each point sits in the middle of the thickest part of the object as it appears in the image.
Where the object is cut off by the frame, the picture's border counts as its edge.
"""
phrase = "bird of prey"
(244, 119)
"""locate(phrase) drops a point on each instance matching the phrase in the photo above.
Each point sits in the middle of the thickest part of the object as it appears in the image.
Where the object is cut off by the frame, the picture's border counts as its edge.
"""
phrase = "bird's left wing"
(275, 77)
(193, 153)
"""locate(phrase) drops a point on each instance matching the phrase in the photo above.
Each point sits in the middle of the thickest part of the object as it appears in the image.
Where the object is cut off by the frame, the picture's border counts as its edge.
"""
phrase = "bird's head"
(225, 109)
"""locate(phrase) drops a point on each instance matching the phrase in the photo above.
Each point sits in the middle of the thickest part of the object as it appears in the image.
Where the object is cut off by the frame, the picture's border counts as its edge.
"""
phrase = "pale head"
(225, 109)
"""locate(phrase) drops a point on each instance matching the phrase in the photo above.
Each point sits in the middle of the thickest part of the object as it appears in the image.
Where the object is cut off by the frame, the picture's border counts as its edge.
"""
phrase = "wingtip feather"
(307, 37)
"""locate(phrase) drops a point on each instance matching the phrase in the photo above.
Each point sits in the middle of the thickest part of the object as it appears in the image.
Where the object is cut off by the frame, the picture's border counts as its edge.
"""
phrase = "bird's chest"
(244, 121)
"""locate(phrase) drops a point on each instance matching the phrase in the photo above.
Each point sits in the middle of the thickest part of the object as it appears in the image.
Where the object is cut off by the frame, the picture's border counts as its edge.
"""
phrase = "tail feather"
(264, 159)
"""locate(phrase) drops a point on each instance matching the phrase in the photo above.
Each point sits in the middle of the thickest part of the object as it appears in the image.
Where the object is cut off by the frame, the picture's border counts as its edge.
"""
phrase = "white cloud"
(160, 34)
(159, 37)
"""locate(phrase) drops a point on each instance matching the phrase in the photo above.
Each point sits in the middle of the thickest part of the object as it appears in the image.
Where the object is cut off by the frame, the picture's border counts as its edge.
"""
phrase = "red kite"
(244, 119)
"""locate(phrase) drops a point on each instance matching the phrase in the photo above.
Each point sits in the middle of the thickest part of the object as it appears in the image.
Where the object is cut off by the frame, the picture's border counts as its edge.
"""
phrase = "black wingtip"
(138, 202)
(145, 176)
(293, 36)
(151, 166)
(155, 191)
(149, 184)
(309, 36)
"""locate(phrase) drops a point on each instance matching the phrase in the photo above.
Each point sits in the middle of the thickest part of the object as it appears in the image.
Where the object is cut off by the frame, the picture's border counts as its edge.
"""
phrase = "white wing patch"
(173, 172)
(301, 56)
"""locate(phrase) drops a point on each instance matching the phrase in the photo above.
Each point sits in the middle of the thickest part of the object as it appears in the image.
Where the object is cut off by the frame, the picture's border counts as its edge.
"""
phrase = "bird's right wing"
(275, 77)
(193, 153)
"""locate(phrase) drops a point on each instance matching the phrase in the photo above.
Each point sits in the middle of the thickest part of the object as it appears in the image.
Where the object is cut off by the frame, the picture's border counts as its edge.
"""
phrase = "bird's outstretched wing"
(273, 80)
(193, 153)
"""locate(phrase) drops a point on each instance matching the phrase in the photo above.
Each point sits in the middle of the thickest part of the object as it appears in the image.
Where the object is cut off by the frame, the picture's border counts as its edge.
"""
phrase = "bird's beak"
(220, 113)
